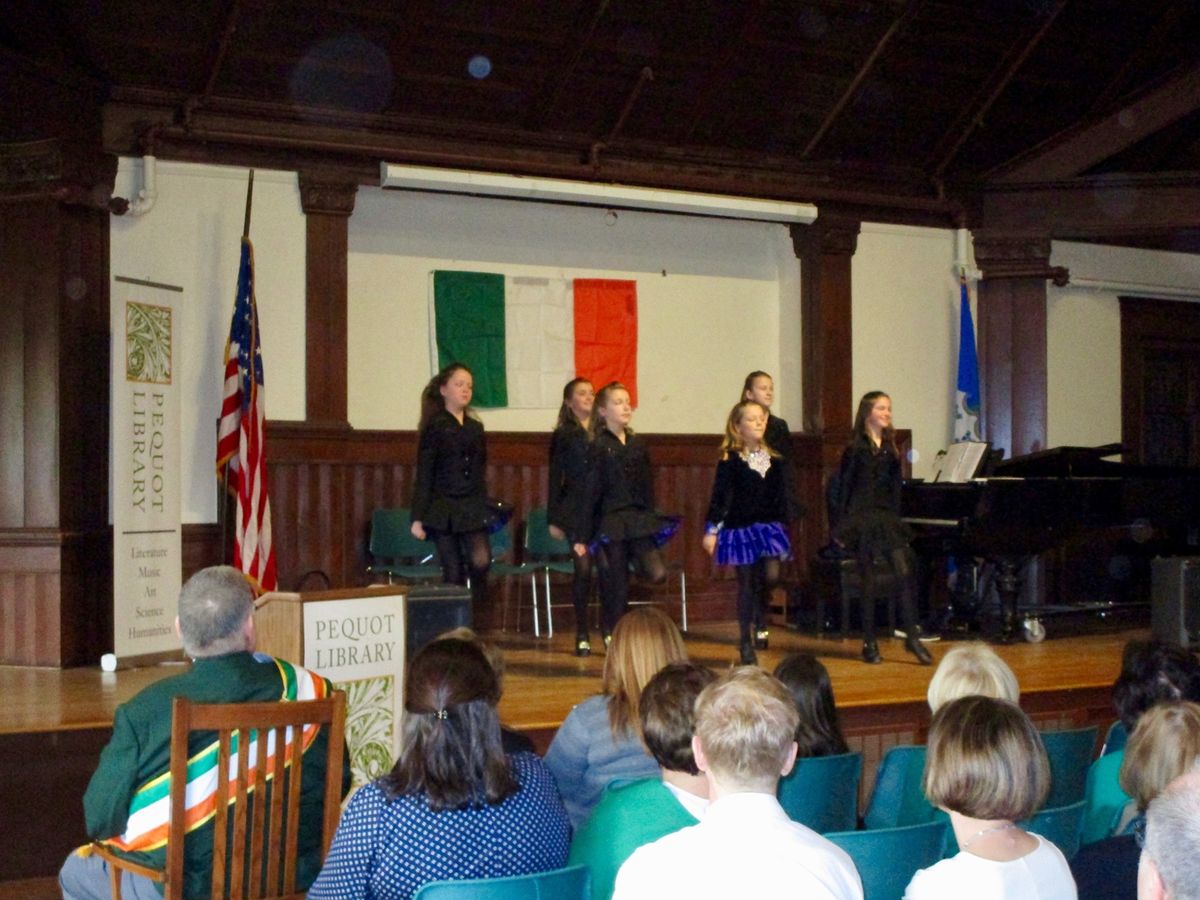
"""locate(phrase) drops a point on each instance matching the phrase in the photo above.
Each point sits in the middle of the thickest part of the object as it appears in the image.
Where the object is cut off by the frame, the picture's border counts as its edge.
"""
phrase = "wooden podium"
(356, 638)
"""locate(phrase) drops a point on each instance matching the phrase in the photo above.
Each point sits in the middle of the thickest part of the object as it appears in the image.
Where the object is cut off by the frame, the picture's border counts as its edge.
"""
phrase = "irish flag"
(524, 338)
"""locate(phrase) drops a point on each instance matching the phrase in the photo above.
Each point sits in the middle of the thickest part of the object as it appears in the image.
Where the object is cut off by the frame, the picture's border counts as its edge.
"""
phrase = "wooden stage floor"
(544, 679)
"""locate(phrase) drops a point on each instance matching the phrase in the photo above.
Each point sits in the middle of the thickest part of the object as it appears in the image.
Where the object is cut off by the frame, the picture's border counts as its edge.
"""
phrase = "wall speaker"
(1175, 605)
(431, 609)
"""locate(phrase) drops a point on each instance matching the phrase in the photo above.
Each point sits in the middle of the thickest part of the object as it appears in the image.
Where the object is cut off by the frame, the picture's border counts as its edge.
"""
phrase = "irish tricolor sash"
(146, 828)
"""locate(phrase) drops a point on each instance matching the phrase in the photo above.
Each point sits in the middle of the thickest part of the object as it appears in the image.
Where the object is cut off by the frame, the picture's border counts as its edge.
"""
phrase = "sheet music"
(960, 462)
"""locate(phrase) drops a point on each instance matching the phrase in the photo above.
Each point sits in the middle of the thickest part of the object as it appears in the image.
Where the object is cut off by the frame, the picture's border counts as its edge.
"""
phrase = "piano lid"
(1062, 462)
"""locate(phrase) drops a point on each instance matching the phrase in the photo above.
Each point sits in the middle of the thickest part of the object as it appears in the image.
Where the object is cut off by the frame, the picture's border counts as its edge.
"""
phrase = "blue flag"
(966, 397)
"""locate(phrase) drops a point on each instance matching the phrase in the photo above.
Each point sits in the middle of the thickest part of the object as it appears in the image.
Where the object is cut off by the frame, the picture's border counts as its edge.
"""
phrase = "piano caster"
(1035, 631)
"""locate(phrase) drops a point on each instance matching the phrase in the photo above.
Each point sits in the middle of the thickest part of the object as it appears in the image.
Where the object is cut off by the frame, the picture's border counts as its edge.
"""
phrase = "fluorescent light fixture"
(591, 193)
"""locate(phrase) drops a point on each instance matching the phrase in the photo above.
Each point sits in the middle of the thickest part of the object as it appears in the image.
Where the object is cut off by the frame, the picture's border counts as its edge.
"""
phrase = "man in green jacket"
(638, 812)
(125, 804)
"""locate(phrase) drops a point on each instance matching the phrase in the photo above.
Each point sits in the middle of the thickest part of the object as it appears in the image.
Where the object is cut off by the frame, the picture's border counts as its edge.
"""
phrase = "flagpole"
(249, 200)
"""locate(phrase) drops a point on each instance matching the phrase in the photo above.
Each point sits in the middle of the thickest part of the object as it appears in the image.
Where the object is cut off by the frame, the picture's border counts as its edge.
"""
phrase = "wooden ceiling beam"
(897, 27)
(1074, 151)
(973, 114)
(552, 89)
(1102, 208)
(718, 72)
(1136, 61)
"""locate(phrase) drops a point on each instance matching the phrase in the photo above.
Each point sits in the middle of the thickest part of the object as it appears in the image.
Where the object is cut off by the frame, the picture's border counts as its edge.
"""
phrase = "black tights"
(902, 563)
(755, 583)
(613, 560)
(467, 554)
(581, 591)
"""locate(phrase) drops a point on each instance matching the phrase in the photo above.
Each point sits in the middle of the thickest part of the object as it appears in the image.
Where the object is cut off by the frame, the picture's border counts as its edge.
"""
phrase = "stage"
(54, 722)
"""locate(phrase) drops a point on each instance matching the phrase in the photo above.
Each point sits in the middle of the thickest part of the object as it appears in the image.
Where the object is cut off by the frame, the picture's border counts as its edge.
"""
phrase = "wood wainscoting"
(325, 483)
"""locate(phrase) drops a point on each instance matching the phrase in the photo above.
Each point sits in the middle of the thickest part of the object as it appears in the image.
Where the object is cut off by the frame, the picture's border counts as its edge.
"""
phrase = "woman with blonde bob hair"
(972, 669)
(987, 768)
(1164, 745)
(600, 741)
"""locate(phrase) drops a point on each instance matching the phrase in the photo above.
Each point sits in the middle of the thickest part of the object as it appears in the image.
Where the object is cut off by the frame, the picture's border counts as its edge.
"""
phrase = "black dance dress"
(450, 494)
(623, 492)
(864, 501)
(569, 469)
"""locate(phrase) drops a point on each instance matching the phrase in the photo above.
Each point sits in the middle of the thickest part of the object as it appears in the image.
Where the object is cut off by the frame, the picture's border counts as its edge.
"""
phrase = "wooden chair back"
(260, 844)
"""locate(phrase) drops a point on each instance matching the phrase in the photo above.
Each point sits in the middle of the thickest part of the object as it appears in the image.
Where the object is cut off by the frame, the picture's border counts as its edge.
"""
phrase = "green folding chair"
(396, 553)
(888, 858)
(547, 555)
(504, 566)
(822, 792)
(573, 883)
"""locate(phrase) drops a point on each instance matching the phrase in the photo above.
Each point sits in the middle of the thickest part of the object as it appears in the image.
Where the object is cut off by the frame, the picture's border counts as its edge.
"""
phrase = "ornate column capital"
(1015, 255)
(69, 172)
(327, 194)
(833, 233)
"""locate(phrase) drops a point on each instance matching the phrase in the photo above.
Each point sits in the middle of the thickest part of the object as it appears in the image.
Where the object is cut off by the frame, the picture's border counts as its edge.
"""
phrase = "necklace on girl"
(759, 460)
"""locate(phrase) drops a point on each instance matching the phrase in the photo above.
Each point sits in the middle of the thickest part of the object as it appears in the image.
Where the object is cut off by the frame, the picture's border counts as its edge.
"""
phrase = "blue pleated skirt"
(743, 546)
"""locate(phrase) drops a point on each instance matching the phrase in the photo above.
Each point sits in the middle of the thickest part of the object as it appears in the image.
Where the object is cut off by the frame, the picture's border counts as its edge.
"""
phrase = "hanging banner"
(146, 482)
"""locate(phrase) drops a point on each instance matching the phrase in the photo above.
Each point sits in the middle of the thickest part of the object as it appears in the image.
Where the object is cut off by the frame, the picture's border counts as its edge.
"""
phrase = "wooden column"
(55, 544)
(328, 201)
(824, 249)
(1012, 338)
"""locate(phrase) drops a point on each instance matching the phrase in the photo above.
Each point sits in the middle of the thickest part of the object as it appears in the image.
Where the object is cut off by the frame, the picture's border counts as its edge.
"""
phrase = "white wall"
(905, 330)
(708, 299)
(728, 303)
(1083, 325)
(192, 238)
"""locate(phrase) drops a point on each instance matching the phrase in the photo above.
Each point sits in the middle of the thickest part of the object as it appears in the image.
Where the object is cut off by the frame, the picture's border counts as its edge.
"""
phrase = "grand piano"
(1031, 504)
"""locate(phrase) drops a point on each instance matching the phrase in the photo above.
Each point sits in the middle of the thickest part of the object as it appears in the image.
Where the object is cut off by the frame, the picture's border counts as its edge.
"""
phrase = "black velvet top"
(621, 475)
(741, 496)
(451, 471)
(569, 470)
(869, 478)
(778, 436)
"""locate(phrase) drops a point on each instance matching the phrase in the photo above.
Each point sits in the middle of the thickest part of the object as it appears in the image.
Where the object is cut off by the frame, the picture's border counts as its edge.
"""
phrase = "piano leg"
(1008, 586)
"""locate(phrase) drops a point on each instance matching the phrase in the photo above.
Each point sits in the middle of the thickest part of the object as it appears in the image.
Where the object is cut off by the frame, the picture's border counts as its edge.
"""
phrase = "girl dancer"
(760, 387)
(864, 511)
(566, 510)
(450, 504)
(747, 519)
(626, 527)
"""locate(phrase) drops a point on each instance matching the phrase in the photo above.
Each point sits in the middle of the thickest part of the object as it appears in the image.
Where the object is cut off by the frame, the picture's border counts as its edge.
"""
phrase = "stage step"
(30, 889)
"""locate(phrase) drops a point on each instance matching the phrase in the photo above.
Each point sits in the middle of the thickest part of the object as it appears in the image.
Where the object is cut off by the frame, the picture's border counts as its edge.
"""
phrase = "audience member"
(511, 741)
(1164, 745)
(1151, 671)
(818, 732)
(972, 669)
(600, 740)
(454, 806)
(745, 845)
(216, 625)
(636, 813)
(1170, 867)
(987, 768)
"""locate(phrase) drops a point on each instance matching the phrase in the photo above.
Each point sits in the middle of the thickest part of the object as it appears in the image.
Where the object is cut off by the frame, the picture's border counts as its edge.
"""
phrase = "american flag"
(241, 444)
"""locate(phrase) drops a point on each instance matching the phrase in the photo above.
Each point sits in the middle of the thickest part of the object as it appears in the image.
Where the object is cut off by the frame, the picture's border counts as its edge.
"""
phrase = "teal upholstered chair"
(1061, 825)
(897, 798)
(1115, 738)
(887, 858)
(822, 792)
(1070, 753)
(394, 550)
(574, 883)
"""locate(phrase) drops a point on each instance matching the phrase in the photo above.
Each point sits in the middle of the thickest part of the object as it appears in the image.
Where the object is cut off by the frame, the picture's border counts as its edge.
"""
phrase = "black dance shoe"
(760, 639)
(746, 654)
(870, 653)
(582, 646)
(917, 649)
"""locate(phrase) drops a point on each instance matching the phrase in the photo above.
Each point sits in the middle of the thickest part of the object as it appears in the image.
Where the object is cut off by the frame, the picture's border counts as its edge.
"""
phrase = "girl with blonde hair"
(600, 740)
